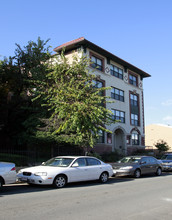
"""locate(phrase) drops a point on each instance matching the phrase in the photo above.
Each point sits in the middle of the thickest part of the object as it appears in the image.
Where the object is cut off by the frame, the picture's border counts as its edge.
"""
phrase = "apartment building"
(126, 82)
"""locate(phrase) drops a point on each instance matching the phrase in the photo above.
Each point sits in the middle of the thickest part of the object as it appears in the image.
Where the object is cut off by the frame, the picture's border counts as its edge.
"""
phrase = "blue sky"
(138, 31)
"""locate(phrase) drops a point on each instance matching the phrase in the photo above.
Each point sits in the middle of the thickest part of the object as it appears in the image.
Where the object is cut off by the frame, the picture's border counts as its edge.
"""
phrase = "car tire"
(104, 177)
(60, 181)
(158, 171)
(137, 173)
(30, 184)
(1, 182)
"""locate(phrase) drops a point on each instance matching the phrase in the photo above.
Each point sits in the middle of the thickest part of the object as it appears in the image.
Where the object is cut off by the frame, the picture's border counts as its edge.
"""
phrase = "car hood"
(119, 165)
(42, 169)
(166, 161)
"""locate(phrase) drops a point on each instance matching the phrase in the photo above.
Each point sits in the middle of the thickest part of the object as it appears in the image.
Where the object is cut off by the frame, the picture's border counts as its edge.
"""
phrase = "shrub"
(111, 157)
(14, 158)
(162, 146)
(94, 154)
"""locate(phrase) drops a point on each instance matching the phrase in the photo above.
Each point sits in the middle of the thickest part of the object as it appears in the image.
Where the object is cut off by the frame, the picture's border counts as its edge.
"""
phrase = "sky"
(138, 31)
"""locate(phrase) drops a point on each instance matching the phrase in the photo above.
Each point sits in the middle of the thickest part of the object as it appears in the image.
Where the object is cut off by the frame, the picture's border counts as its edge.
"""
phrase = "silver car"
(136, 166)
(166, 161)
(7, 173)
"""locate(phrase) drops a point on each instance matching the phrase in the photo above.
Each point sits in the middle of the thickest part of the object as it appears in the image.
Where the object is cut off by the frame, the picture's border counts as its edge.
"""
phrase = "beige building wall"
(122, 133)
(155, 132)
(111, 81)
(126, 87)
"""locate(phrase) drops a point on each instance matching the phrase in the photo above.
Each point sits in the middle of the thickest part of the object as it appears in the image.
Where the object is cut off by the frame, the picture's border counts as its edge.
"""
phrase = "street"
(149, 197)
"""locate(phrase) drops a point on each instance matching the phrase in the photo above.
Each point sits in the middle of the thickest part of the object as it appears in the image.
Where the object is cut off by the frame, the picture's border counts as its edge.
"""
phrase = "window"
(97, 84)
(58, 162)
(133, 80)
(96, 63)
(118, 116)
(117, 94)
(93, 162)
(101, 138)
(133, 100)
(135, 138)
(144, 160)
(81, 162)
(109, 138)
(134, 119)
(166, 157)
(152, 160)
(115, 71)
(134, 109)
(128, 139)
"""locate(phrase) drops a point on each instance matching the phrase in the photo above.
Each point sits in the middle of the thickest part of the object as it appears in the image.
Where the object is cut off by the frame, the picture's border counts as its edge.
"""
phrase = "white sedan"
(61, 170)
(7, 173)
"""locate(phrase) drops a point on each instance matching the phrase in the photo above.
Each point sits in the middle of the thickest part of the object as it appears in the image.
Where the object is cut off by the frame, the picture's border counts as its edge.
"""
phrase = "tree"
(33, 60)
(162, 146)
(76, 106)
(50, 102)
(21, 77)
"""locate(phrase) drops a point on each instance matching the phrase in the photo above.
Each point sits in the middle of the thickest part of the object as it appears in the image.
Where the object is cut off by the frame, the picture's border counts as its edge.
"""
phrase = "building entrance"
(119, 141)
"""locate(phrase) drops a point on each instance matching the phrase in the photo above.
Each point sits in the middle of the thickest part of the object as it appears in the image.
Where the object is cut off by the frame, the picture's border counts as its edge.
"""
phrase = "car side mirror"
(75, 165)
(143, 162)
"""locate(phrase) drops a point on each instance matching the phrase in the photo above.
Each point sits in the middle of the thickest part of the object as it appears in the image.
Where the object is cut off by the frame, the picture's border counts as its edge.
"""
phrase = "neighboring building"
(156, 132)
(126, 82)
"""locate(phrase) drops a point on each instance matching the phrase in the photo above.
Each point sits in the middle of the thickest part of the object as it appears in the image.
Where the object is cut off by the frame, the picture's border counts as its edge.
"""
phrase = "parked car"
(166, 161)
(7, 173)
(137, 165)
(59, 171)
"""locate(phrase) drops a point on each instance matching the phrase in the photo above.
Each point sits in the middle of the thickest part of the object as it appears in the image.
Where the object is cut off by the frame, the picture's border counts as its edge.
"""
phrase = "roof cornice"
(71, 45)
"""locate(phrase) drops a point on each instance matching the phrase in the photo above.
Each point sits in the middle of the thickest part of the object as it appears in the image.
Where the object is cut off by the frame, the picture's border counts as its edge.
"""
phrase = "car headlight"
(126, 168)
(20, 171)
(40, 174)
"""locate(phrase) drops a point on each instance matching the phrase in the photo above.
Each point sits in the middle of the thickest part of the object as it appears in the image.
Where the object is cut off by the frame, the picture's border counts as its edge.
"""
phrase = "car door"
(153, 165)
(94, 168)
(145, 165)
(78, 170)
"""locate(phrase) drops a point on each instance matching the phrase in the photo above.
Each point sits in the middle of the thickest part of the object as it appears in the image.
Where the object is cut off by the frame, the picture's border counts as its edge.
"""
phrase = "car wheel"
(1, 182)
(104, 177)
(137, 173)
(60, 181)
(159, 171)
(30, 184)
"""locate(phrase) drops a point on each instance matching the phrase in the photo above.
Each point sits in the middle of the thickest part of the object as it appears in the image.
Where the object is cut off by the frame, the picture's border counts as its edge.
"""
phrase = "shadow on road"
(20, 188)
(23, 188)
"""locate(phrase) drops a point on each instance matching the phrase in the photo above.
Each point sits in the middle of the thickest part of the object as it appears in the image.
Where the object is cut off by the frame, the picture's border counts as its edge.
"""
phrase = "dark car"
(136, 166)
(166, 161)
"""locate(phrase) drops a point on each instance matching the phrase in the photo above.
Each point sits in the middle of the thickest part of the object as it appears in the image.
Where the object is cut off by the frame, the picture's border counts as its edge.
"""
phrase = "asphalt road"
(149, 198)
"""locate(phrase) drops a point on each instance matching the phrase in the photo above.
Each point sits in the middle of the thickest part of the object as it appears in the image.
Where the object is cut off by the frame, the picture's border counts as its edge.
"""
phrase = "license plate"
(30, 181)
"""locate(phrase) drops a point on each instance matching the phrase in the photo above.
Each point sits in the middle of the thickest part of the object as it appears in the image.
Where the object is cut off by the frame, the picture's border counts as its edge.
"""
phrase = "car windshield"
(166, 157)
(58, 162)
(130, 160)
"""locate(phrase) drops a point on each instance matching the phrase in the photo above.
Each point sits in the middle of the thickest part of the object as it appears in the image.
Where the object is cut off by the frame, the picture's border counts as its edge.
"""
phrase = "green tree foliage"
(77, 107)
(46, 99)
(20, 76)
(162, 146)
